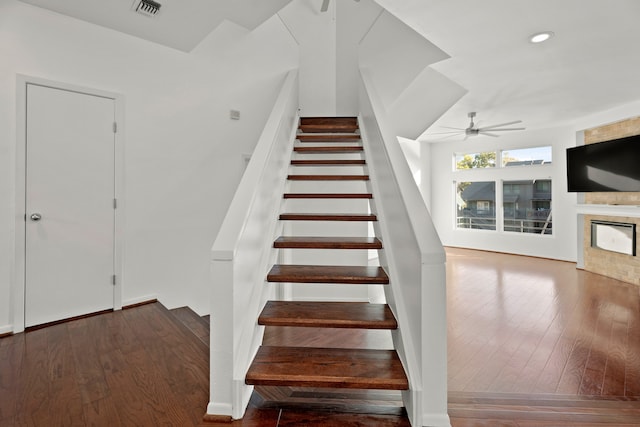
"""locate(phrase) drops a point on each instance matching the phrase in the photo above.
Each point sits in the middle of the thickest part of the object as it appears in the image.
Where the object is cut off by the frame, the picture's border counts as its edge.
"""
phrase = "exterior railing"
(532, 226)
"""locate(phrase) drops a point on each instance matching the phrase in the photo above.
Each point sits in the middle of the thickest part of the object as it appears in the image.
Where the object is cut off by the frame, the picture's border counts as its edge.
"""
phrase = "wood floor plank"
(101, 413)
(549, 375)
(292, 418)
(166, 342)
(327, 367)
(12, 376)
(613, 384)
(90, 375)
(33, 395)
(632, 360)
(573, 373)
(196, 324)
(593, 377)
(64, 390)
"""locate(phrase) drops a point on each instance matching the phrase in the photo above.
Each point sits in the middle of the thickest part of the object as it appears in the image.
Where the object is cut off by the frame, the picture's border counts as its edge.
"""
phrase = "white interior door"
(70, 217)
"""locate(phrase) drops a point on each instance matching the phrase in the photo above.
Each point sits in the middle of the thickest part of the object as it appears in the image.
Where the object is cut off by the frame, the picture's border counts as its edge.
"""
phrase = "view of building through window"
(526, 156)
(509, 158)
(476, 203)
(526, 206)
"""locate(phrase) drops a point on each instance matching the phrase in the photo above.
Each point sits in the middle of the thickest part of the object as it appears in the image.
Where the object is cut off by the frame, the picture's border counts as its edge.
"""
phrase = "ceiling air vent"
(147, 7)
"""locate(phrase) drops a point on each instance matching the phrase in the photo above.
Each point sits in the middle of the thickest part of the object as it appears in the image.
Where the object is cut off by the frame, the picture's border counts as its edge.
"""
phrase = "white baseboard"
(7, 329)
(222, 409)
(436, 420)
(139, 300)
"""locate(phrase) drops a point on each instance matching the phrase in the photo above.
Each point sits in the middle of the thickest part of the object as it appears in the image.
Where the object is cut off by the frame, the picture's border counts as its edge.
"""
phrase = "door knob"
(36, 217)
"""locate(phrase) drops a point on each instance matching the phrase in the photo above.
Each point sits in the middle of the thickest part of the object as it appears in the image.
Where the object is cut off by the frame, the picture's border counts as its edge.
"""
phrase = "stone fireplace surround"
(613, 207)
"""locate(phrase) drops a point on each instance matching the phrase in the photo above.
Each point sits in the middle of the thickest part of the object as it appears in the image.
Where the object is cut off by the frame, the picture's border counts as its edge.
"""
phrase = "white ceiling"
(180, 24)
(592, 64)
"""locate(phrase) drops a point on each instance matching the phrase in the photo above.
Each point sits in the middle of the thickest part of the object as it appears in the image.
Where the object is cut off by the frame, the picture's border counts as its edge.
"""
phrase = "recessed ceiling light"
(541, 37)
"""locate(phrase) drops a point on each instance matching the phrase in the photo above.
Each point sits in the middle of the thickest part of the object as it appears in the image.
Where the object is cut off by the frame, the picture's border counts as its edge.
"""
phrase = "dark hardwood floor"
(532, 342)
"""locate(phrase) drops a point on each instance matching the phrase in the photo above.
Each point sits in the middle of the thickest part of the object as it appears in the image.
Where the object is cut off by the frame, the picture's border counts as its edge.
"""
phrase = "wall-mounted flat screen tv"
(605, 166)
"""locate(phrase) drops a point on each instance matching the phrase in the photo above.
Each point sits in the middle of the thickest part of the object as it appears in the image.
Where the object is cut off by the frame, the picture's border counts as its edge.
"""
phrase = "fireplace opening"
(614, 236)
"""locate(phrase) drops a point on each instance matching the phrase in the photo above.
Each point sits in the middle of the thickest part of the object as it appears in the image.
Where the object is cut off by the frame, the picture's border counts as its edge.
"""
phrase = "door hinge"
(113, 280)
(115, 203)
(115, 127)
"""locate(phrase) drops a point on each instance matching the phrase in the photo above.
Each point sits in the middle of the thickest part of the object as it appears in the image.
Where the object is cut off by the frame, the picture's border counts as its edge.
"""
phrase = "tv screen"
(605, 166)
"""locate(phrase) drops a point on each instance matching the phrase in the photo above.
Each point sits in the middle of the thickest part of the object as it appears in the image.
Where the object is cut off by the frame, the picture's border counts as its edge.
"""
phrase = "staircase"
(322, 143)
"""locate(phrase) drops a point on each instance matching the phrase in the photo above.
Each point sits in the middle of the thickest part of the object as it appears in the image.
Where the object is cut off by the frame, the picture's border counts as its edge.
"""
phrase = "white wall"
(316, 34)
(560, 245)
(437, 187)
(328, 52)
(183, 154)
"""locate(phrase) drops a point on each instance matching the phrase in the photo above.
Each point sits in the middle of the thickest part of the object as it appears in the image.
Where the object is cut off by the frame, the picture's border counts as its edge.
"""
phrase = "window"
(476, 205)
(527, 206)
(483, 206)
(526, 156)
(526, 203)
(476, 160)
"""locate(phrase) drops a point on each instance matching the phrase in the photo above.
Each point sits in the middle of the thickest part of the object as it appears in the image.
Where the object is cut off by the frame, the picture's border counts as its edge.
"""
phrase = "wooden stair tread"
(327, 367)
(328, 177)
(319, 128)
(329, 149)
(328, 124)
(328, 137)
(306, 120)
(327, 315)
(308, 242)
(328, 162)
(327, 217)
(328, 195)
(346, 274)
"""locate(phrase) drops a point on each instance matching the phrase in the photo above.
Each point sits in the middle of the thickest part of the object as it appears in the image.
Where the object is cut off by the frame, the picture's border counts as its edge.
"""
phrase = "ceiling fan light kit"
(541, 37)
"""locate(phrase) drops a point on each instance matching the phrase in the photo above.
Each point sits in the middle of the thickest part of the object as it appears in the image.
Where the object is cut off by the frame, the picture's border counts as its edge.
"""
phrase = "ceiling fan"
(472, 130)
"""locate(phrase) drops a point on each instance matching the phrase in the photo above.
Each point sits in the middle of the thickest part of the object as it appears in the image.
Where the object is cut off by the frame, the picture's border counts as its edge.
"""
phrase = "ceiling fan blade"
(501, 124)
(460, 132)
(489, 134)
(500, 130)
(325, 6)
(449, 127)
(452, 135)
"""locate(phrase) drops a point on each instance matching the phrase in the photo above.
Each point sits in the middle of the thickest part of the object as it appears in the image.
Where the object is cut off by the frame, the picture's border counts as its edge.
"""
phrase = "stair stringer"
(415, 262)
(242, 254)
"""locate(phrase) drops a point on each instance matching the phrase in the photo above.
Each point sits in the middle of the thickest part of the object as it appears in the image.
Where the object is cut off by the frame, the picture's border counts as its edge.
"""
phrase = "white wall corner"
(424, 100)
(241, 396)
(394, 69)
